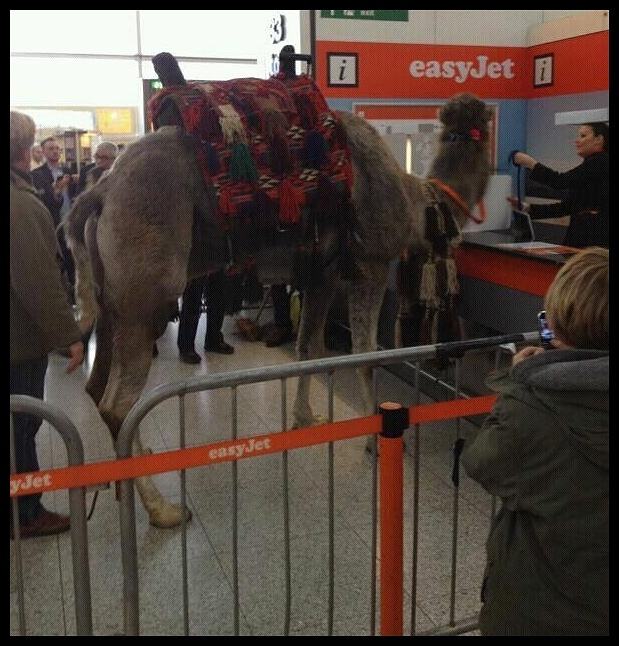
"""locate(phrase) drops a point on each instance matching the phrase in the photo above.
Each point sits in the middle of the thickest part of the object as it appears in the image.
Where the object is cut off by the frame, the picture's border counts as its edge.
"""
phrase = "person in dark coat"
(587, 186)
(41, 318)
(543, 450)
(56, 187)
(53, 181)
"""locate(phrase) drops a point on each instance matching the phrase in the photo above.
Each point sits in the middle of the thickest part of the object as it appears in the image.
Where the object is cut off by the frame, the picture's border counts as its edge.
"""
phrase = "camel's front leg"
(130, 363)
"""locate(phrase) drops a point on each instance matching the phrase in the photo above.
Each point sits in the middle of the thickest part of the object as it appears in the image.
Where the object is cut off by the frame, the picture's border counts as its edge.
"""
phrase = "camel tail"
(79, 232)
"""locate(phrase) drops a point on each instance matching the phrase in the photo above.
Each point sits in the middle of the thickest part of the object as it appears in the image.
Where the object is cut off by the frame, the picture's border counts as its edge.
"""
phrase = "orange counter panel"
(526, 275)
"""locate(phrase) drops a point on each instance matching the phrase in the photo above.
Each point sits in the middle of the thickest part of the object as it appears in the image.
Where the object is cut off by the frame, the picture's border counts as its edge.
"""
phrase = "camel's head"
(465, 117)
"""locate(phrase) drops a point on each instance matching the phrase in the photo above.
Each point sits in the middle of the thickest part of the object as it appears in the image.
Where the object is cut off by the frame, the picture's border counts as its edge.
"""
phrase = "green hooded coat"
(40, 313)
(544, 451)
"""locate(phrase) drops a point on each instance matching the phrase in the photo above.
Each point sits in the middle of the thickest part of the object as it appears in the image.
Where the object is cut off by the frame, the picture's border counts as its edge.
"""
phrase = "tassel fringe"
(427, 289)
(224, 203)
(214, 166)
(231, 125)
(290, 201)
(315, 149)
(452, 276)
(242, 166)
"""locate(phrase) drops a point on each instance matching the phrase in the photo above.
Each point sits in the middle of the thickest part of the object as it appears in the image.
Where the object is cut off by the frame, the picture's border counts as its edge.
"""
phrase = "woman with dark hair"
(587, 186)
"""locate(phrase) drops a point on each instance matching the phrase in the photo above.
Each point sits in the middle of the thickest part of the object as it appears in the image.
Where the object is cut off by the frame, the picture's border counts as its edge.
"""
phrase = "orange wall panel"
(580, 65)
(384, 69)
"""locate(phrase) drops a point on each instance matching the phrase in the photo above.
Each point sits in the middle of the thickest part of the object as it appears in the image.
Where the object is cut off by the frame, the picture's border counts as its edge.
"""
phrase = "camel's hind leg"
(364, 303)
(129, 366)
(310, 344)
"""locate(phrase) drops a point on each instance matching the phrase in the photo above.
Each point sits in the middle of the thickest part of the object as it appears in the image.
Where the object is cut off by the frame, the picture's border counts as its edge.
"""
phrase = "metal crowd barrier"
(77, 505)
(390, 452)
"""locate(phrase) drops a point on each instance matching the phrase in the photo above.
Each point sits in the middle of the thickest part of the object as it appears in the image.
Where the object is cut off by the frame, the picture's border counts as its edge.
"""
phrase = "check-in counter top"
(502, 282)
(507, 242)
(497, 257)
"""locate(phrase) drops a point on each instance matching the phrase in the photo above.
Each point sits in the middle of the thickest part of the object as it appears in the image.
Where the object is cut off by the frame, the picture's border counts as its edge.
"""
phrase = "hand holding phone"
(526, 353)
(546, 335)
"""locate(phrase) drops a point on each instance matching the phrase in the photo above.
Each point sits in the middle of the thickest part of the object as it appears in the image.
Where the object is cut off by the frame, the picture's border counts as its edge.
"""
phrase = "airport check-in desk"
(503, 282)
(502, 287)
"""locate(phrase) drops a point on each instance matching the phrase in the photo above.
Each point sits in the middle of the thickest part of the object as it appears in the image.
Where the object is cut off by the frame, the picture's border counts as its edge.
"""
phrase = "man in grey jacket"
(544, 451)
(41, 317)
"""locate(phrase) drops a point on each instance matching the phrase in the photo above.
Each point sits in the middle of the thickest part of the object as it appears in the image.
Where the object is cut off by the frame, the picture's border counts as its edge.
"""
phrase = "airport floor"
(47, 561)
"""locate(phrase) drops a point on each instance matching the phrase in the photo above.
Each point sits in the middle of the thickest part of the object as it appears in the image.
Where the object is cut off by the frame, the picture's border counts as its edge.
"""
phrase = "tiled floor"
(47, 561)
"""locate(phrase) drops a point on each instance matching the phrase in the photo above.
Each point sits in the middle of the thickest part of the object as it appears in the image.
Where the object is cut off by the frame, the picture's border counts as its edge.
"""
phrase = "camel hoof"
(168, 515)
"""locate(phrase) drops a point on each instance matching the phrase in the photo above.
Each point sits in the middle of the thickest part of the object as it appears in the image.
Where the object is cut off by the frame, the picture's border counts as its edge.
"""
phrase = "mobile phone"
(546, 335)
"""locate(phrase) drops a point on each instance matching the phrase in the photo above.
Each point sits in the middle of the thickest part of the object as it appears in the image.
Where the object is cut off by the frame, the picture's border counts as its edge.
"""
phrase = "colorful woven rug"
(273, 142)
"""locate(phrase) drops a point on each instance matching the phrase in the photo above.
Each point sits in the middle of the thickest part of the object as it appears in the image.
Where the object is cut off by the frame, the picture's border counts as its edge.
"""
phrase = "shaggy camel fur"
(131, 236)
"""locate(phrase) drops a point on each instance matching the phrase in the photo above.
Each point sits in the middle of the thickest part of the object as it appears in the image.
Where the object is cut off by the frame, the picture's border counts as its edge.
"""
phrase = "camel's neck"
(465, 168)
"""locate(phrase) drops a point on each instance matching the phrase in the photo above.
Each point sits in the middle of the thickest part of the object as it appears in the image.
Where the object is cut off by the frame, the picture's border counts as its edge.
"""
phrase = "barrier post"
(391, 465)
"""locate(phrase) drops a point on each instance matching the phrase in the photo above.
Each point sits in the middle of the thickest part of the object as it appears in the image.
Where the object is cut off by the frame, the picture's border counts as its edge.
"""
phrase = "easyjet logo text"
(240, 449)
(462, 70)
(28, 482)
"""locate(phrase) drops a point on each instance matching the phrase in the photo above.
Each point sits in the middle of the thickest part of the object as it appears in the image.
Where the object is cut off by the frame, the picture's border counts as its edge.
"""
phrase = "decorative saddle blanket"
(273, 141)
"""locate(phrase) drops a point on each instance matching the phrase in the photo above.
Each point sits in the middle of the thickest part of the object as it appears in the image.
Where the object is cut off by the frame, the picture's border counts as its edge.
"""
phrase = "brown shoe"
(45, 524)
(278, 335)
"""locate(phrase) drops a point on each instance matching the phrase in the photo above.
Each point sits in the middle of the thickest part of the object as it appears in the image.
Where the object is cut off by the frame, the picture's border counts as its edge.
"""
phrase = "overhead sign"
(366, 14)
(403, 70)
(422, 70)
(115, 121)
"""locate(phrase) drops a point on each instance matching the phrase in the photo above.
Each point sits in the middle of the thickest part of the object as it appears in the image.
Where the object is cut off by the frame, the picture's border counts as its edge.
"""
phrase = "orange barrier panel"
(451, 409)
(226, 451)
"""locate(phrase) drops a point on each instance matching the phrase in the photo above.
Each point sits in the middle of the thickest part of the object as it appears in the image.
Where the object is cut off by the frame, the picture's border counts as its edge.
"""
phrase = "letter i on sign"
(343, 69)
(543, 74)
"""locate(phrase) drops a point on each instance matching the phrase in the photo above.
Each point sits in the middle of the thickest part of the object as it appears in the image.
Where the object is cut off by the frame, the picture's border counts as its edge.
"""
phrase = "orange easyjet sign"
(404, 70)
(398, 70)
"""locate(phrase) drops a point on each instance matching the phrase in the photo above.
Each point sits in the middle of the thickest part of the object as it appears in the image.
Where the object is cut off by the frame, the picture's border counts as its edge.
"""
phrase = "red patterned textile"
(275, 138)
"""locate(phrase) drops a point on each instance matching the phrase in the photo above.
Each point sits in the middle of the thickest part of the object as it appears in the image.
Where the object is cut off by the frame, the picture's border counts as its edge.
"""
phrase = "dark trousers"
(27, 378)
(281, 306)
(213, 287)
